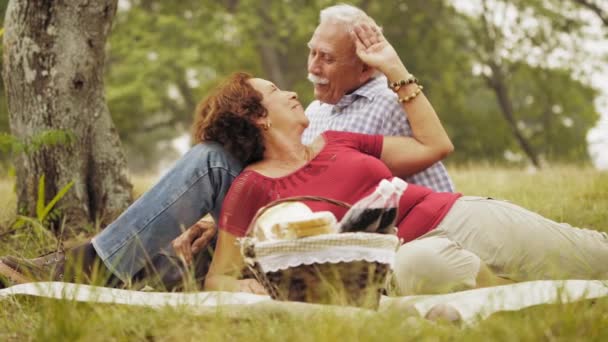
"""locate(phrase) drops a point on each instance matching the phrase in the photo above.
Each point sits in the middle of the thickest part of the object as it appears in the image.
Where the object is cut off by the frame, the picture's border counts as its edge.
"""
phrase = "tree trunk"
(272, 58)
(497, 84)
(53, 71)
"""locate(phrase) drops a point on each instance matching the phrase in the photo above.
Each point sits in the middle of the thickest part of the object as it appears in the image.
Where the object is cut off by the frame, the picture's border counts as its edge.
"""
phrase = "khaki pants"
(513, 242)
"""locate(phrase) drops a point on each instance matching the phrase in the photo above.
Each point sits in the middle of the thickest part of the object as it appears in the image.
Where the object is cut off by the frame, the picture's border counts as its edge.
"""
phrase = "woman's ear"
(260, 121)
(266, 125)
(263, 122)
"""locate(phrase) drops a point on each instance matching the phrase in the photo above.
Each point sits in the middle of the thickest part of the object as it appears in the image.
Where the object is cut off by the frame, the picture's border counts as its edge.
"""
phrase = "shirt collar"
(368, 90)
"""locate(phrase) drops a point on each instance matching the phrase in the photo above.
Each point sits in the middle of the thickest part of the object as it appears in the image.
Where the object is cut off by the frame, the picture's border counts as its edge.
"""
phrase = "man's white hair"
(347, 15)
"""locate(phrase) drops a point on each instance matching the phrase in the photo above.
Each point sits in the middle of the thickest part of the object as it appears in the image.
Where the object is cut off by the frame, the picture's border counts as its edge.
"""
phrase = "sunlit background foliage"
(505, 69)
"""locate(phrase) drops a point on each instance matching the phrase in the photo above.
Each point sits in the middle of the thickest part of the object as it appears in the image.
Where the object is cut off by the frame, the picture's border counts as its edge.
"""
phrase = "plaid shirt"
(372, 109)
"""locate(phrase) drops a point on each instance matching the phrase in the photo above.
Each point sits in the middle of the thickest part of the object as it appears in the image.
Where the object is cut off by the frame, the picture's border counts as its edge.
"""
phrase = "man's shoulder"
(377, 93)
(313, 107)
(385, 93)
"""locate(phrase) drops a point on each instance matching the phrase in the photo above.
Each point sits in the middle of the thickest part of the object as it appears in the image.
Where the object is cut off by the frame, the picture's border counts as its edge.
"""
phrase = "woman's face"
(284, 109)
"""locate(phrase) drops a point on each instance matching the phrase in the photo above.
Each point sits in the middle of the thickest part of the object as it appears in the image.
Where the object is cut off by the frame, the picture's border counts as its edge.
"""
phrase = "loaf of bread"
(322, 222)
(293, 220)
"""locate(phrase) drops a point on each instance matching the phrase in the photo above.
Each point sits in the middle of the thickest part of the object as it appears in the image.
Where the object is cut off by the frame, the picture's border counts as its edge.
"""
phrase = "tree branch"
(603, 15)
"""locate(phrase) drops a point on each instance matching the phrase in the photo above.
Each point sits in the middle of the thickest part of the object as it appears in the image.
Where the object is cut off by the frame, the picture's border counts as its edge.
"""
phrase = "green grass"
(567, 193)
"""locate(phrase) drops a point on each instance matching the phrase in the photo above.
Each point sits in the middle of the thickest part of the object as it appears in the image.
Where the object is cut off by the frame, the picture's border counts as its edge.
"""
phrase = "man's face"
(333, 66)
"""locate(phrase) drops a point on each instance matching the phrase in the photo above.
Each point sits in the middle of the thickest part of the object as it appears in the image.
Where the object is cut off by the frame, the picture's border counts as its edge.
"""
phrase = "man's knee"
(205, 156)
(434, 265)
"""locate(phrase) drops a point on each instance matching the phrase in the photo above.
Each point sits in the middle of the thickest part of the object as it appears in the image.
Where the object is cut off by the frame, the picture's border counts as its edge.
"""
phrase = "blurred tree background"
(505, 77)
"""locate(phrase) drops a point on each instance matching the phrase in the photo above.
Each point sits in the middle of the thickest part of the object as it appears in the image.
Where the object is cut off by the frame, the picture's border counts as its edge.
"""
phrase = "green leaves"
(11, 144)
(163, 57)
(42, 208)
(45, 212)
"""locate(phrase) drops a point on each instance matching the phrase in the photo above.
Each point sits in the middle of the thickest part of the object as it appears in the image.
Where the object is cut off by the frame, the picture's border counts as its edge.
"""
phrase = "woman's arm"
(226, 267)
(245, 197)
(429, 143)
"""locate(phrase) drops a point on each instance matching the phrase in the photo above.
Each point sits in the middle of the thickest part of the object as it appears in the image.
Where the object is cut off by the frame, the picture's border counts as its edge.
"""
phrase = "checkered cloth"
(372, 109)
(320, 249)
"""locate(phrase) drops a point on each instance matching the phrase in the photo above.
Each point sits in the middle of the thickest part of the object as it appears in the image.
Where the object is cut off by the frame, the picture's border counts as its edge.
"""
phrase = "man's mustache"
(317, 80)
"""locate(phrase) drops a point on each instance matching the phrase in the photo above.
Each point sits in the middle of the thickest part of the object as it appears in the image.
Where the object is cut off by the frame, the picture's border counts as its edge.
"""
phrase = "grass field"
(570, 194)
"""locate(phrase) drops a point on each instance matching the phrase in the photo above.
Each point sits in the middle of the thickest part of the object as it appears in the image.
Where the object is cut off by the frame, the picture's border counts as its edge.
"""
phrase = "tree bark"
(489, 38)
(497, 84)
(53, 71)
(272, 58)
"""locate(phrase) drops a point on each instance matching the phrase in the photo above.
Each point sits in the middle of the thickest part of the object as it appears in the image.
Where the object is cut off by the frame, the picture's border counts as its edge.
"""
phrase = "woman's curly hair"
(228, 116)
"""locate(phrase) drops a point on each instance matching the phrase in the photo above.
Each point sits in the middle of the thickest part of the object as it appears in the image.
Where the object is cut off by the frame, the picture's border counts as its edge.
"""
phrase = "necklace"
(289, 163)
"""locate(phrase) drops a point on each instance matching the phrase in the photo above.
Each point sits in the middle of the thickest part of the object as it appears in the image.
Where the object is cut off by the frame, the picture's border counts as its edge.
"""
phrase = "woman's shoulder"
(338, 135)
(250, 172)
(255, 170)
(335, 137)
(348, 138)
(331, 135)
(249, 183)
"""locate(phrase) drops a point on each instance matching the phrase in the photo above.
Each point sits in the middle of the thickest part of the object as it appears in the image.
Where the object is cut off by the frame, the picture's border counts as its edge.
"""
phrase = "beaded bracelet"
(395, 86)
(410, 97)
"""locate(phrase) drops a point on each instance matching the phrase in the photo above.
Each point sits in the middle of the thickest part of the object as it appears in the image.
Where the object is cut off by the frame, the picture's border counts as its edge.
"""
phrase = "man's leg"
(195, 186)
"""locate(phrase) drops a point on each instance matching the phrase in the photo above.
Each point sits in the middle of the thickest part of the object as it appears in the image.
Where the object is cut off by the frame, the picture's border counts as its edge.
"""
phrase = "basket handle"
(263, 209)
(248, 253)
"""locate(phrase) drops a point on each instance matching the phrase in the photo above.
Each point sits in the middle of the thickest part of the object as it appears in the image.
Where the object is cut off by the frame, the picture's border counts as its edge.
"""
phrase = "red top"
(346, 169)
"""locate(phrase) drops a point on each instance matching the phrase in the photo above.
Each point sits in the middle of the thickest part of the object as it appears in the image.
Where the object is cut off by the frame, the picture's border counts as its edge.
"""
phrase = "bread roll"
(292, 220)
(278, 213)
(323, 222)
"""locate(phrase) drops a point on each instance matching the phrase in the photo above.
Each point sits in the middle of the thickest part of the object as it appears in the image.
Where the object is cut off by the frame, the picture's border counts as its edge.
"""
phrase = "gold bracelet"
(411, 96)
(395, 86)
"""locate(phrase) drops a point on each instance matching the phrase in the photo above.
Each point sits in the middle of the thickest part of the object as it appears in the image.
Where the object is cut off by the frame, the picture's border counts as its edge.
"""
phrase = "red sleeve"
(246, 195)
(365, 143)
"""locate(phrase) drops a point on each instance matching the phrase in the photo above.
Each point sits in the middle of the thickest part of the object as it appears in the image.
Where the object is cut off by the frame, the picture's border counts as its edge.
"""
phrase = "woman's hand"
(251, 286)
(194, 240)
(374, 50)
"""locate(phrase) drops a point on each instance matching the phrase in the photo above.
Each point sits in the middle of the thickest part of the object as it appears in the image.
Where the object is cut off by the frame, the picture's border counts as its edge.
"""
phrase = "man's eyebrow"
(325, 51)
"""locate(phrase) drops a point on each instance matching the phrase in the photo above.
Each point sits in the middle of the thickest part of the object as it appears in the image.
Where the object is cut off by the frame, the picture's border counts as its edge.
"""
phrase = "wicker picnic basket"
(343, 269)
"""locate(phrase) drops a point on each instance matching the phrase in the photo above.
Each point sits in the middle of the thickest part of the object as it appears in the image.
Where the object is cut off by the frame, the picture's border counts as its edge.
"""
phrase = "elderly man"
(349, 97)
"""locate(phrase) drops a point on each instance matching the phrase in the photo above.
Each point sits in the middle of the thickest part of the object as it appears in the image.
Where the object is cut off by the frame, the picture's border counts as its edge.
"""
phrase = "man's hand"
(194, 240)
(251, 286)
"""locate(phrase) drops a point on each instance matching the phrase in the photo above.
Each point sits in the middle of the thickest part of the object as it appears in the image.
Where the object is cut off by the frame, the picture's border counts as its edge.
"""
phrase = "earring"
(266, 126)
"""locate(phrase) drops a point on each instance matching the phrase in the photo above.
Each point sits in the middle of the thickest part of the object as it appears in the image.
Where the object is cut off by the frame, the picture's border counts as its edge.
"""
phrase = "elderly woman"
(451, 241)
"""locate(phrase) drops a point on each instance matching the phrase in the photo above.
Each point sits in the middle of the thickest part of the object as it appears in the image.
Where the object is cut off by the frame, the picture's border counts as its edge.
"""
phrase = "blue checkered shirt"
(372, 109)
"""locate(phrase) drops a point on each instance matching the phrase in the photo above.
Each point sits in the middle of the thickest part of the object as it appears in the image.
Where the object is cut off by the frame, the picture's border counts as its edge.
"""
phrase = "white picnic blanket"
(472, 305)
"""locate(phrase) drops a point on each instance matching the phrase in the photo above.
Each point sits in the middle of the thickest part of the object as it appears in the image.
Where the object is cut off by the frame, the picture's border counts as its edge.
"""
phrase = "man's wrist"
(395, 86)
(396, 73)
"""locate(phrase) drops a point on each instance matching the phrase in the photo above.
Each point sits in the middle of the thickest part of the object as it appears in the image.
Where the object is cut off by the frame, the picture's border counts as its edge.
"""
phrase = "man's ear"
(366, 73)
